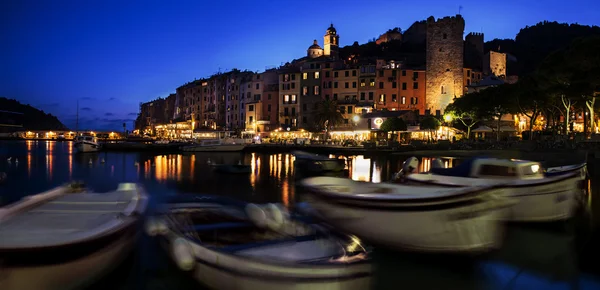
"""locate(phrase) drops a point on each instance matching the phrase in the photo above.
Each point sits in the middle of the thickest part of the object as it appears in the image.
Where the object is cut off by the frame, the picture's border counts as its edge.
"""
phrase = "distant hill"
(534, 43)
(31, 118)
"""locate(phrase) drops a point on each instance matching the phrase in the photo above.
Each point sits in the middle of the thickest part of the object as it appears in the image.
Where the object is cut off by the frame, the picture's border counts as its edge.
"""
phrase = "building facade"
(444, 62)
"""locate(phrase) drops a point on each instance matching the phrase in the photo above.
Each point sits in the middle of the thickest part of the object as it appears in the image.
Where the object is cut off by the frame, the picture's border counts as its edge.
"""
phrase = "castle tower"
(474, 50)
(331, 42)
(444, 62)
(494, 63)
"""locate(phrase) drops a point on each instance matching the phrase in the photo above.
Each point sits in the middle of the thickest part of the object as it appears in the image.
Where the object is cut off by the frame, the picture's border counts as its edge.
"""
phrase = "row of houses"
(365, 89)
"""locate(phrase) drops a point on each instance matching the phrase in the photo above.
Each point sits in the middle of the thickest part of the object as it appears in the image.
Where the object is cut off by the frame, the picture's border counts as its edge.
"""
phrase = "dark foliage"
(32, 118)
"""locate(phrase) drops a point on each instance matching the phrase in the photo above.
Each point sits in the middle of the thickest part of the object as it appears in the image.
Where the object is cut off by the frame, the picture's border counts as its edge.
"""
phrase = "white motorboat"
(539, 197)
(65, 238)
(314, 162)
(431, 219)
(227, 246)
(216, 145)
(85, 144)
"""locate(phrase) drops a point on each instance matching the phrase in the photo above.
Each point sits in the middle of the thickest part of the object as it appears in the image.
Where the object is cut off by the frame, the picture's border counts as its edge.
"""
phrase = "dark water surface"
(561, 255)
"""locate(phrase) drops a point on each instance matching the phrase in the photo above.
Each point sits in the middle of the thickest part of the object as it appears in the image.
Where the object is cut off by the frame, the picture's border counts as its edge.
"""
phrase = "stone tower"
(331, 42)
(494, 63)
(474, 51)
(444, 62)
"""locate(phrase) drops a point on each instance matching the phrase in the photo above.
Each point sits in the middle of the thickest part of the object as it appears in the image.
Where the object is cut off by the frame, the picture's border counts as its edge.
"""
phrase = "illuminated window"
(316, 75)
(293, 98)
(372, 82)
(305, 76)
(362, 83)
(286, 98)
(403, 100)
(304, 90)
(394, 98)
(382, 98)
(316, 90)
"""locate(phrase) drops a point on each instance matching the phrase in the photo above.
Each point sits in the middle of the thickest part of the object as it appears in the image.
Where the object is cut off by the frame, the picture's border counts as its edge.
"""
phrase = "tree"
(530, 99)
(431, 124)
(328, 115)
(393, 125)
(575, 73)
(466, 110)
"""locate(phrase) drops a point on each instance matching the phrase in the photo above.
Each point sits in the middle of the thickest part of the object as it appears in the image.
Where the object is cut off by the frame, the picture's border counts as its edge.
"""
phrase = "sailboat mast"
(77, 120)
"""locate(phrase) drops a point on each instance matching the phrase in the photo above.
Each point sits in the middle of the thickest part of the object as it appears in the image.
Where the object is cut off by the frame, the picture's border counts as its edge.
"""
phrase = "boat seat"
(237, 248)
(219, 226)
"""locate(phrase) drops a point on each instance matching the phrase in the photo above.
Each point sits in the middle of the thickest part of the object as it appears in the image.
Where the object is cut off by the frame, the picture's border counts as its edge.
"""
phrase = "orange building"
(398, 88)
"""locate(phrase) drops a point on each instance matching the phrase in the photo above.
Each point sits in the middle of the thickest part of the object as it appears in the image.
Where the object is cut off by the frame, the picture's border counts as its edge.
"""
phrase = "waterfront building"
(262, 108)
(289, 92)
(345, 92)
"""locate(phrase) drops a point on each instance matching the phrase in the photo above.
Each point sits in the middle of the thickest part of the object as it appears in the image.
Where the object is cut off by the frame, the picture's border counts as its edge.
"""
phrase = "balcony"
(287, 114)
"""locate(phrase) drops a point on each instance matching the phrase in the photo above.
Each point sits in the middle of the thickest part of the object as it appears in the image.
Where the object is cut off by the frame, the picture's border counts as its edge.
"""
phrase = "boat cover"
(462, 170)
(65, 219)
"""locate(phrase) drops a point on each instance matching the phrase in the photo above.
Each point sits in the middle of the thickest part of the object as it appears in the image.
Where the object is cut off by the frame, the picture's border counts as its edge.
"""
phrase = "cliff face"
(26, 117)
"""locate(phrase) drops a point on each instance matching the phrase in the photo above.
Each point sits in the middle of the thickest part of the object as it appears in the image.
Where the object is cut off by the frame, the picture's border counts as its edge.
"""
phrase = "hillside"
(534, 43)
(31, 118)
(531, 45)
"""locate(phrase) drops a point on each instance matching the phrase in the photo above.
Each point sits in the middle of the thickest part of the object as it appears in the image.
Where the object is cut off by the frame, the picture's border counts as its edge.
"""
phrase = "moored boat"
(215, 145)
(318, 163)
(430, 219)
(539, 197)
(86, 144)
(66, 238)
(229, 245)
(232, 168)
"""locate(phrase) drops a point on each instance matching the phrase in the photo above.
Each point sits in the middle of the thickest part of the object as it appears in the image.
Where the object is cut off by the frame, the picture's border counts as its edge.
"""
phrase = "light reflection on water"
(271, 180)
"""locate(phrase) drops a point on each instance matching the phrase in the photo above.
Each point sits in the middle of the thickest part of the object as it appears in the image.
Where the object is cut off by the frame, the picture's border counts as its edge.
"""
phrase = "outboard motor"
(409, 166)
(437, 163)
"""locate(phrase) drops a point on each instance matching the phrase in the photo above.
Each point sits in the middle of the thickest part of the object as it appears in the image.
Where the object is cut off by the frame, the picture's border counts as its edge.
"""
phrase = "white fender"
(257, 215)
(275, 217)
(183, 255)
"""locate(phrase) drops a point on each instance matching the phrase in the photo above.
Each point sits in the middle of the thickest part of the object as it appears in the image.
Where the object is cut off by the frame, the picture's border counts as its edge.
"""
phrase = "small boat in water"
(67, 238)
(539, 197)
(233, 245)
(430, 219)
(85, 144)
(317, 163)
(232, 168)
(216, 145)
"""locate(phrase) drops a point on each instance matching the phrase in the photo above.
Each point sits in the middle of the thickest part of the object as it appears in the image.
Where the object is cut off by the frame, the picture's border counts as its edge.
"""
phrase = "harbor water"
(561, 255)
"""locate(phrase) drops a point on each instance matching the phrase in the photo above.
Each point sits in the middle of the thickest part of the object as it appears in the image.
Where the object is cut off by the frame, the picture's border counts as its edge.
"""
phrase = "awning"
(507, 129)
(482, 129)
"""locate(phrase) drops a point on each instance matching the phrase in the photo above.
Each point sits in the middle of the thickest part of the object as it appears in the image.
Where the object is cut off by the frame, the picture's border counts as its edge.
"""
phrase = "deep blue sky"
(114, 54)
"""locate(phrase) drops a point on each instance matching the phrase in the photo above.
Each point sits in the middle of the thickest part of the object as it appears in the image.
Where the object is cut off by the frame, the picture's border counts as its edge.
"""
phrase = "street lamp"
(448, 119)
(355, 119)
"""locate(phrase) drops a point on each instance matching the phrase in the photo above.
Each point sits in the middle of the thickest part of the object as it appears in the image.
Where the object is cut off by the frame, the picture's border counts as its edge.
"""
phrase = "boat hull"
(87, 147)
(220, 148)
(229, 272)
(73, 274)
(458, 228)
(551, 199)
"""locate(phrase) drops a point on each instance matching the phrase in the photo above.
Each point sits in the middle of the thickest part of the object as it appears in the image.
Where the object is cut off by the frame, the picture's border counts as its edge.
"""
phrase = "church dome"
(315, 45)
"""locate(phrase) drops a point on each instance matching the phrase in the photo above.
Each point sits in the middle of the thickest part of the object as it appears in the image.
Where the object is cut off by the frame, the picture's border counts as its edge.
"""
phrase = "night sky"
(114, 54)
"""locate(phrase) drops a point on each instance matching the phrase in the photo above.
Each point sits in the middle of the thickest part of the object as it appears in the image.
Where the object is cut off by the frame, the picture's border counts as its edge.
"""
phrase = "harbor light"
(356, 118)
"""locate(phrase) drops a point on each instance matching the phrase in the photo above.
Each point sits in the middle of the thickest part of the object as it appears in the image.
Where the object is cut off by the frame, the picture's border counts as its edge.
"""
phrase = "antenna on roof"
(459, 9)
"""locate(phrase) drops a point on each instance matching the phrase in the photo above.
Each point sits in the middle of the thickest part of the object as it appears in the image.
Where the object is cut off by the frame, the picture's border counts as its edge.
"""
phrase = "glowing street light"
(356, 118)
